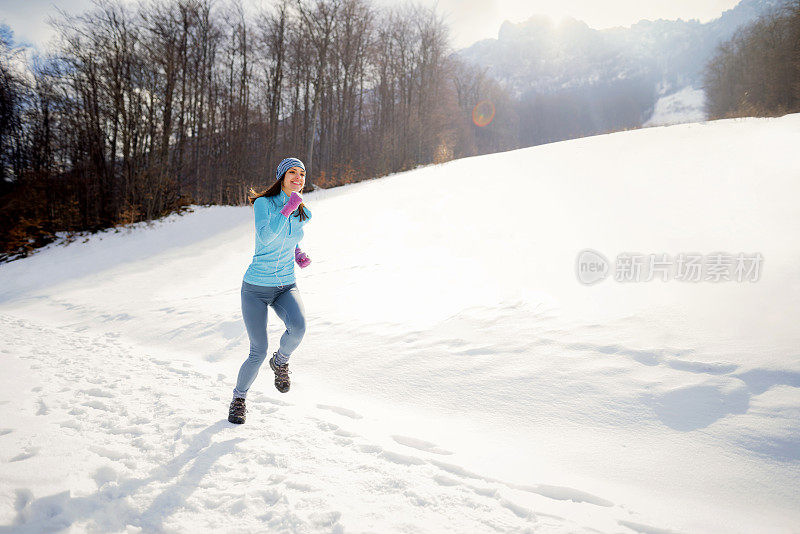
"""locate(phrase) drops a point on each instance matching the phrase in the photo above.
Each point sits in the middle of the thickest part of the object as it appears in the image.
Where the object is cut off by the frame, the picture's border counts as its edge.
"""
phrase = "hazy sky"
(470, 20)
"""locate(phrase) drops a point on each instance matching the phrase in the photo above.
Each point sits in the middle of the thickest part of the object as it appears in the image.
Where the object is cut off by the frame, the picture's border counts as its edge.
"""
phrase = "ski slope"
(456, 376)
(686, 105)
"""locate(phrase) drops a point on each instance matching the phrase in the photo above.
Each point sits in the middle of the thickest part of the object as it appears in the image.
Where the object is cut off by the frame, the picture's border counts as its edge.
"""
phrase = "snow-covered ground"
(686, 105)
(455, 375)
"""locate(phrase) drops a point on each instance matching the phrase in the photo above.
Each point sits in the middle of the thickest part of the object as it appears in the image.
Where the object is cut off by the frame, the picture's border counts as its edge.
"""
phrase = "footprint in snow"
(43, 409)
(563, 493)
(29, 453)
(460, 471)
(445, 481)
(97, 405)
(299, 486)
(401, 459)
(341, 411)
(640, 527)
(419, 444)
(326, 426)
(97, 392)
(69, 423)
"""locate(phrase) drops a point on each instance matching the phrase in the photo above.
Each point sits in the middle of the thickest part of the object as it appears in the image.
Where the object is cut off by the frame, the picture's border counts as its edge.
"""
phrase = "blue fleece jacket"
(276, 238)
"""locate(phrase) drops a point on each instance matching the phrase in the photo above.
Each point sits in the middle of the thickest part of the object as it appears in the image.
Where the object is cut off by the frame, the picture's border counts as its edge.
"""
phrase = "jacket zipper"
(278, 261)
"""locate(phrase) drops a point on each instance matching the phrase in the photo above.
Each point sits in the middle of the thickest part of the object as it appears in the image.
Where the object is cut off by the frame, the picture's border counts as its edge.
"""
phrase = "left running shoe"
(237, 411)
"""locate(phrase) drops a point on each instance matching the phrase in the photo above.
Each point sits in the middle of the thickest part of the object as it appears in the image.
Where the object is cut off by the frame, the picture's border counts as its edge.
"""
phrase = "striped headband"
(287, 164)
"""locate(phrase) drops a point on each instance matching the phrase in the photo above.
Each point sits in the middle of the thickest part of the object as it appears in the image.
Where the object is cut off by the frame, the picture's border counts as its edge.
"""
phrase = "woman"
(269, 280)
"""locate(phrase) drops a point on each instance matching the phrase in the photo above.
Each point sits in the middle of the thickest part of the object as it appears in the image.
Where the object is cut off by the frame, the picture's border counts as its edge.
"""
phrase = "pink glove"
(301, 258)
(291, 204)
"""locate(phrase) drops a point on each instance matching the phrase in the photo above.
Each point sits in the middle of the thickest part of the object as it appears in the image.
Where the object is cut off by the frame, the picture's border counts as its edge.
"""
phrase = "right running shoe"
(282, 382)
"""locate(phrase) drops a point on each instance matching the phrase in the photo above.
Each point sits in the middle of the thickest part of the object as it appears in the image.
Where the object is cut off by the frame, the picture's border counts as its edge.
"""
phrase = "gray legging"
(286, 302)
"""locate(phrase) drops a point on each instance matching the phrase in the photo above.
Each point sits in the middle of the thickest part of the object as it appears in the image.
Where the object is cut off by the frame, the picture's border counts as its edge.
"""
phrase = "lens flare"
(483, 113)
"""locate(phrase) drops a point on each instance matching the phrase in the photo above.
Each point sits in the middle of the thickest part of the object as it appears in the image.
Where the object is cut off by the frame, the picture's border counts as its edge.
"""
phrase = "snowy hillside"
(456, 375)
(686, 105)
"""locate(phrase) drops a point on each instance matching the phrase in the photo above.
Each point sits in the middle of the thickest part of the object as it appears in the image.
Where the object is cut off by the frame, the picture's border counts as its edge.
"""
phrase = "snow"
(455, 375)
(686, 105)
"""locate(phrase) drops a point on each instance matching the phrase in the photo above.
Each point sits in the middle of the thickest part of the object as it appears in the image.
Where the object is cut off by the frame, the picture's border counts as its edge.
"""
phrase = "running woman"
(269, 280)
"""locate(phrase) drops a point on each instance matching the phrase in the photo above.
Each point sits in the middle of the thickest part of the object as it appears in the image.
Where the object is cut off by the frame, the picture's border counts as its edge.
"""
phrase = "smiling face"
(294, 180)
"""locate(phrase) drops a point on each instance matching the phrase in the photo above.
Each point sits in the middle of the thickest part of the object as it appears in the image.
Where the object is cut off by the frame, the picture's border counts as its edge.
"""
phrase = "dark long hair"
(273, 191)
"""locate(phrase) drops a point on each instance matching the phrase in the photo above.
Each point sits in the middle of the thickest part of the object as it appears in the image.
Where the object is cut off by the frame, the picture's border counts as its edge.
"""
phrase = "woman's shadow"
(111, 507)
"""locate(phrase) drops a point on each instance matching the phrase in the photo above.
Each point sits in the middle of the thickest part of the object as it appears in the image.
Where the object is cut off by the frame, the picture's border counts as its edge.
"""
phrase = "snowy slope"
(455, 376)
(686, 105)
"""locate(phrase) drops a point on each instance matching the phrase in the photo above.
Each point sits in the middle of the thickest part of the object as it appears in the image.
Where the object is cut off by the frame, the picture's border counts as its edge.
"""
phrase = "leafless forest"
(757, 72)
(142, 111)
(137, 112)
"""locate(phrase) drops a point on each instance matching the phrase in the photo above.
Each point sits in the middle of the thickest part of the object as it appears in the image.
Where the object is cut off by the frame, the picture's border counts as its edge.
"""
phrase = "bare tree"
(757, 71)
(318, 20)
